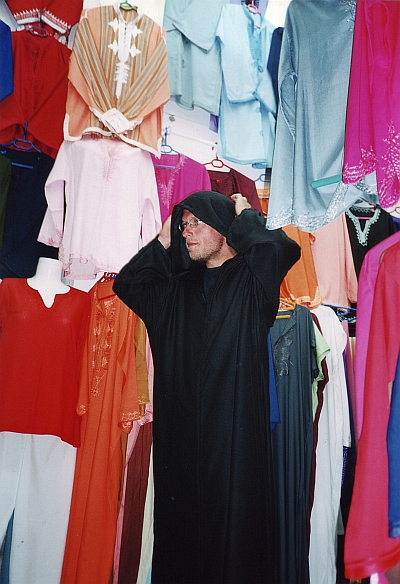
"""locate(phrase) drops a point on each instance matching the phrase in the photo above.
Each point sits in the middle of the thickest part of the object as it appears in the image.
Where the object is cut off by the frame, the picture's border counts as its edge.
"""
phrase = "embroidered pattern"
(362, 234)
(350, 7)
(166, 190)
(391, 171)
(101, 348)
(282, 354)
(123, 49)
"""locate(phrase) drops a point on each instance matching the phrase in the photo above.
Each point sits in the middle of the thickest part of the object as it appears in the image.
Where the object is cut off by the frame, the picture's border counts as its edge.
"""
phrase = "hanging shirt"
(229, 183)
(118, 77)
(194, 56)
(40, 91)
(177, 177)
(40, 358)
(313, 82)
(112, 206)
(373, 119)
(248, 106)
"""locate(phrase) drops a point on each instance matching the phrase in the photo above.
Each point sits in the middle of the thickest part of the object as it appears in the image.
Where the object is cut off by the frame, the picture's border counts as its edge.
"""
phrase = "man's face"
(203, 243)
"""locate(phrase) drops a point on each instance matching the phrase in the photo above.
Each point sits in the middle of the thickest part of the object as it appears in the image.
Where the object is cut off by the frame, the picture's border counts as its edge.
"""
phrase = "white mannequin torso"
(47, 280)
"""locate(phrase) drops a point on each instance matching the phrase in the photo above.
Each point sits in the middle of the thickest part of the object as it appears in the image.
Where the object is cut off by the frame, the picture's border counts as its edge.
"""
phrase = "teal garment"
(248, 105)
(313, 80)
(194, 56)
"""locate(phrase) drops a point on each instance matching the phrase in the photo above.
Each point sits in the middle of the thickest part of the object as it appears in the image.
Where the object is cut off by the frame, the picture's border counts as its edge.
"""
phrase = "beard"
(206, 251)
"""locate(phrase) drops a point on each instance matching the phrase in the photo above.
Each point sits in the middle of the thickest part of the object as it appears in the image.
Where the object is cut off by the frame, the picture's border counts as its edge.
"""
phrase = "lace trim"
(391, 171)
(367, 164)
(351, 7)
(102, 339)
(362, 234)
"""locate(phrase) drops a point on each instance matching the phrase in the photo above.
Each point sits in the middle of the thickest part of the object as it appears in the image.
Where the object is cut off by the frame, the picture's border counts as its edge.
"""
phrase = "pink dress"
(372, 138)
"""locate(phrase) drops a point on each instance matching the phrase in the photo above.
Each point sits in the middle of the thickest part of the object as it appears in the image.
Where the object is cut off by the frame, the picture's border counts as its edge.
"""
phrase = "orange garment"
(108, 403)
(300, 283)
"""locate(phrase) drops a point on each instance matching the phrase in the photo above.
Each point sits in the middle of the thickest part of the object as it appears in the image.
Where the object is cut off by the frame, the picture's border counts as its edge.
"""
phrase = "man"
(208, 291)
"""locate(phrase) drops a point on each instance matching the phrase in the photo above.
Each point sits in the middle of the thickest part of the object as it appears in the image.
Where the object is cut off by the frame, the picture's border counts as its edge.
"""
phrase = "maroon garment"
(228, 183)
(36, 108)
(135, 498)
(40, 357)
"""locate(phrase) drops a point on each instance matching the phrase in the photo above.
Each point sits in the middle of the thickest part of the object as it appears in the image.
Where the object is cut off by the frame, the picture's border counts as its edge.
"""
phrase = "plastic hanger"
(108, 276)
(166, 149)
(38, 31)
(217, 162)
(285, 304)
(329, 180)
(22, 143)
(127, 6)
(252, 7)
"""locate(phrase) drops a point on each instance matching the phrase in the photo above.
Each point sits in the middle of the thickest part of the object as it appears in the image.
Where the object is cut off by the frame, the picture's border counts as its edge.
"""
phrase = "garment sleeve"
(269, 253)
(51, 231)
(143, 283)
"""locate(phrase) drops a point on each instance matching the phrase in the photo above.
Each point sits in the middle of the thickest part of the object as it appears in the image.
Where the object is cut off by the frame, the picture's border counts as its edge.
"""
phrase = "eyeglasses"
(193, 223)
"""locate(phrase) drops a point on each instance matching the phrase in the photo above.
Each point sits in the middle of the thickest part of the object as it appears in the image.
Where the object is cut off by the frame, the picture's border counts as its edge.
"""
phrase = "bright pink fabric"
(177, 177)
(372, 137)
(368, 547)
(366, 286)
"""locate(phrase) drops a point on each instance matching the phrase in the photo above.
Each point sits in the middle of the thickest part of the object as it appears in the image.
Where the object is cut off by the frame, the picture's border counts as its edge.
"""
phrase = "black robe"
(215, 507)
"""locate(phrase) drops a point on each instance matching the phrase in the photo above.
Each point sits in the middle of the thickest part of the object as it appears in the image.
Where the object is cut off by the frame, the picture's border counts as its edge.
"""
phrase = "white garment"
(112, 205)
(36, 477)
(333, 434)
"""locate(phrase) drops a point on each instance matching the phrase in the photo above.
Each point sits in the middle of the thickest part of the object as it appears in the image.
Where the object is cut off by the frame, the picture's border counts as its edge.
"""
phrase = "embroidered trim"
(166, 189)
(362, 234)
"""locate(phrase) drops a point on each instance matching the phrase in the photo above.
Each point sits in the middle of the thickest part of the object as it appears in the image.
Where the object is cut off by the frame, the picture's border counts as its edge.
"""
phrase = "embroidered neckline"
(166, 188)
(362, 234)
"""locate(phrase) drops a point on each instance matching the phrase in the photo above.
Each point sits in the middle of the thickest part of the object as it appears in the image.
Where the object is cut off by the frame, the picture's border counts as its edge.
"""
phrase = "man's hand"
(240, 203)
(164, 237)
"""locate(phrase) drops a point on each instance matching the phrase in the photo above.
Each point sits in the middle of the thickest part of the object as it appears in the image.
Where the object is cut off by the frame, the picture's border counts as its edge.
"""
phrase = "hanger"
(38, 31)
(252, 7)
(344, 312)
(217, 162)
(329, 180)
(285, 304)
(165, 147)
(22, 143)
(108, 276)
(127, 6)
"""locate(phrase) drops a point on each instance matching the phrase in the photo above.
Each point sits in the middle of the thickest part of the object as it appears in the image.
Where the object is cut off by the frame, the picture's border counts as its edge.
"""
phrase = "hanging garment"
(194, 56)
(368, 547)
(40, 357)
(337, 278)
(229, 183)
(177, 177)
(5, 177)
(300, 283)
(393, 457)
(40, 92)
(248, 108)
(294, 353)
(108, 403)
(372, 141)
(36, 476)
(333, 434)
(111, 205)
(118, 78)
(24, 211)
(311, 115)
(7, 71)
(136, 489)
(367, 229)
(56, 17)
(214, 516)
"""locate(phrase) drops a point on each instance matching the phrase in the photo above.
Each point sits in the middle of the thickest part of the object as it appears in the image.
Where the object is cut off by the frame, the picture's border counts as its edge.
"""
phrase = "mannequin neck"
(47, 280)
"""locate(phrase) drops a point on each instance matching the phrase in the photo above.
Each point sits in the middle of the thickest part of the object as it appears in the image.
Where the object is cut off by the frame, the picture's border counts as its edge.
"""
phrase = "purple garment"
(177, 177)
(366, 285)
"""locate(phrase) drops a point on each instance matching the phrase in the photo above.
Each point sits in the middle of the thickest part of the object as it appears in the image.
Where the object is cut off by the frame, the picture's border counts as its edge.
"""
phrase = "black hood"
(214, 209)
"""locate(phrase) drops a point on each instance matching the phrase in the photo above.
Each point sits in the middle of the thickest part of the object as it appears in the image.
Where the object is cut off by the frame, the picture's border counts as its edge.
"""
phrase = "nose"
(187, 231)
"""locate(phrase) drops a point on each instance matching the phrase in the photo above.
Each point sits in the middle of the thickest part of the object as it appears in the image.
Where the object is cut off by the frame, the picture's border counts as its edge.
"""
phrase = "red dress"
(40, 357)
